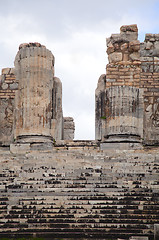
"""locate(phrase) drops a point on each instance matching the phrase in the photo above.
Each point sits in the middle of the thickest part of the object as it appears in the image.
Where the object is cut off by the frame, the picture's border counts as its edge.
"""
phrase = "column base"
(124, 138)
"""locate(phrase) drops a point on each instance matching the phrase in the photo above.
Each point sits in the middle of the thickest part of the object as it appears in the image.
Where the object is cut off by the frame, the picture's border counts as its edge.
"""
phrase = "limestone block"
(151, 37)
(4, 86)
(148, 45)
(119, 145)
(146, 59)
(69, 128)
(155, 52)
(115, 57)
(125, 57)
(19, 148)
(13, 86)
(129, 32)
(116, 38)
(129, 36)
(156, 44)
(129, 28)
(116, 46)
(110, 48)
(5, 70)
(12, 71)
(146, 53)
(124, 46)
(135, 56)
(134, 46)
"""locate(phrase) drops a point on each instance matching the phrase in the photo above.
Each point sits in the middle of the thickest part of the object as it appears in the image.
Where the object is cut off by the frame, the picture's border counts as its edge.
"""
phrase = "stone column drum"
(34, 70)
(119, 97)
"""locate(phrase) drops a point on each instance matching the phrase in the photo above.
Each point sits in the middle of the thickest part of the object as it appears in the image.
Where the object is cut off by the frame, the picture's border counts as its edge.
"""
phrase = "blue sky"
(75, 32)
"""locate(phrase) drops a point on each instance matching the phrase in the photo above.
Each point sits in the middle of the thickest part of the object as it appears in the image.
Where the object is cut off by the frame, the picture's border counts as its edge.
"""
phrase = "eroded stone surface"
(128, 102)
(37, 107)
(33, 98)
(69, 190)
(69, 127)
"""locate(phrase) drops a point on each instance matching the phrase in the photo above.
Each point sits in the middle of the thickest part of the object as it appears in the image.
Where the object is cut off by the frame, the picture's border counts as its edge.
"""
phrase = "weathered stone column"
(69, 128)
(57, 113)
(100, 102)
(119, 98)
(34, 70)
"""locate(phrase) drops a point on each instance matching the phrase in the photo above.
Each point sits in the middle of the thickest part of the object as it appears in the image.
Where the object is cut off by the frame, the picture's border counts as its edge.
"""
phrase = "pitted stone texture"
(135, 65)
(4, 86)
(32, 44)
(150, 47)
(34, 69)
(6, 120)
(13, 86)
(130, 32)
(115, 57)
(19, 148)
(149, 78)
(129, 28)
(57, 113)
(77, 192)
(69, 128)
(100, 108)
(8, 86)
(124, 112)
(120, 46)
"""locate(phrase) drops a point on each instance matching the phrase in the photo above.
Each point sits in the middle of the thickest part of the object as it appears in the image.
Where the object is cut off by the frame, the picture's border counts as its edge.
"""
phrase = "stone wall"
(79, 191)
(127, 97)
(8, 86)
(150, 83)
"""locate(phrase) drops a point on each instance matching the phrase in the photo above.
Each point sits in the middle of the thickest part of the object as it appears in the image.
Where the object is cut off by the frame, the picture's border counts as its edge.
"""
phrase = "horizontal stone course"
(106, 193)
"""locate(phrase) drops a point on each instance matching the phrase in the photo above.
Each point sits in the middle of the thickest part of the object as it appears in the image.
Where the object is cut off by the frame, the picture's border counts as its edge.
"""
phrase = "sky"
(75, 31)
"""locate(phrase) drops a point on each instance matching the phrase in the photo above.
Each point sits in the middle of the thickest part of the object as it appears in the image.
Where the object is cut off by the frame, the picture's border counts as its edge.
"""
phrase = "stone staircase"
(84, 193)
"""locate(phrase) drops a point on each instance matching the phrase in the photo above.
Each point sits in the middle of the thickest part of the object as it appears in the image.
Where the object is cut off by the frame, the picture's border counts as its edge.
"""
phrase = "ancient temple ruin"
(127, 97)
(54, 187)
(31, 99)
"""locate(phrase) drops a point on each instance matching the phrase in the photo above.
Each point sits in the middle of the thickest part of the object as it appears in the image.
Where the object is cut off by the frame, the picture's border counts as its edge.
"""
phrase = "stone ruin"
(75, 189)
(127, 96)
(31, 99)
